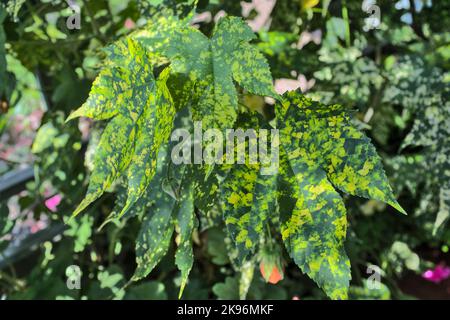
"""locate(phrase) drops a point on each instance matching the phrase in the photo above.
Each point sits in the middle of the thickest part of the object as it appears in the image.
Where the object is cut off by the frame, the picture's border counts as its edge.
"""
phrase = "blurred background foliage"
(394, 71)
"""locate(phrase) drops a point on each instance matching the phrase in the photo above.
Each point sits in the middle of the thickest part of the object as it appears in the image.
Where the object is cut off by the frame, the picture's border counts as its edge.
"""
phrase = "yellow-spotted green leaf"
(154, 128)
(326, 139)
(251, 71)
(185, 220)
(156, 207)
(150, 197)
(155, 235)
(313, 225)
(206, 189)
(142, 117)
(212, 65)
(154, 73)
(248, 198)
(124, 86)
(101, 104)
(322, 150)
(237, 200)
(168, 213)
(164, 22)
(264, 204)
(112, 156)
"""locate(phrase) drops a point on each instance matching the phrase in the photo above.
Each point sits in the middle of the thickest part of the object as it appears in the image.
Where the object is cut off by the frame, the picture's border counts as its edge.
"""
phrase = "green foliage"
(323, 150)
(151, 290)
(6, 78)
(213, 64)
(154, 238)
(318, 141)
(384, 101)
(6, 223)
(53, 139)
(425, 94)
(143, 111)
(13, 7)
(2, 50)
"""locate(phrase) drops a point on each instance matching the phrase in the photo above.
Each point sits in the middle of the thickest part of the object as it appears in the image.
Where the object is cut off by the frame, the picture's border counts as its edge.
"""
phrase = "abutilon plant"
(169, 74)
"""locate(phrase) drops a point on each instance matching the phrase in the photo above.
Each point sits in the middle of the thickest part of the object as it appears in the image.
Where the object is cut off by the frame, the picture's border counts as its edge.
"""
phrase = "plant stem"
(347, 26)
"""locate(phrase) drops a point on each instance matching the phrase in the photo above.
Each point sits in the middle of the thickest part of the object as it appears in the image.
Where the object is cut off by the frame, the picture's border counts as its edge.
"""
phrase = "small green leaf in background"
(228, 290)
(151, 290)
(81, 231)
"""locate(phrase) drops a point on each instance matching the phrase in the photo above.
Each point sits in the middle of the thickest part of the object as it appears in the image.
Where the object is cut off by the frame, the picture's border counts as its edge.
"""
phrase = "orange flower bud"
(275, 275)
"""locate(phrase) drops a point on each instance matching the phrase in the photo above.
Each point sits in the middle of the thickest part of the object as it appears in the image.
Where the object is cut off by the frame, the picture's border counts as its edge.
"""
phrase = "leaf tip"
(398, 207)
(90, 197)
(75, 114)
(126, 208)
(180, 293)
(78, 210)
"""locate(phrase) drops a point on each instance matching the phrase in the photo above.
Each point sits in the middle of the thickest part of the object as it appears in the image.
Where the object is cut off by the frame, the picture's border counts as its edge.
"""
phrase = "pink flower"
(282, 85)
(263, 8)
(129, 24)
(295, 298)
(53, 202)
(306, 37)
(37, 226)
(438, 274)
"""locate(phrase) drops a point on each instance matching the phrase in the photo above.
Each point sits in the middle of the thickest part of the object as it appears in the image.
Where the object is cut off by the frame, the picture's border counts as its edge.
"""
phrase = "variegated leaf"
(325, 138)
(154, 128)
(248, 197)
(313, 225)
(212, 64)
(154, 237)
(143, 113)
(321, 151)
(185, 219)
(3, 74)
(112, 156)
